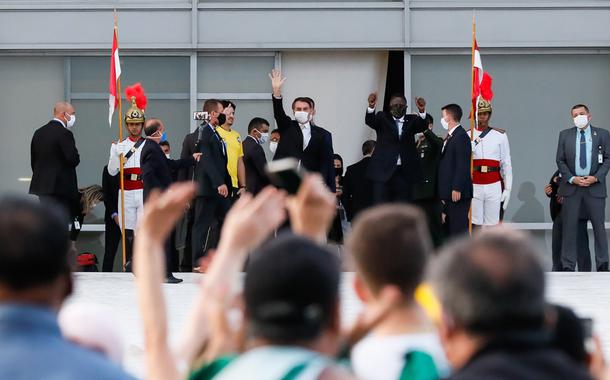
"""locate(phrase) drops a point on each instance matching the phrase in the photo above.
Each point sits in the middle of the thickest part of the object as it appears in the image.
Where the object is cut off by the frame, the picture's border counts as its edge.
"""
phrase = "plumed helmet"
(135, 113)
(483, 105)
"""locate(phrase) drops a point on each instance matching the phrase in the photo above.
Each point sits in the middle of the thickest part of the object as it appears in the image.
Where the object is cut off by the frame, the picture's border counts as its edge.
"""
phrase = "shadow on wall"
(531, 211)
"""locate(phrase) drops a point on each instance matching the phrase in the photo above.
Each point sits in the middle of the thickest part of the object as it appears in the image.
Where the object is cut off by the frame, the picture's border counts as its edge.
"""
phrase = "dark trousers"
(456, 217)
(571, 211)
(396, 189)
(208, 210)
(583, 257)
(433, 209)
(112, 238)
(186, 263)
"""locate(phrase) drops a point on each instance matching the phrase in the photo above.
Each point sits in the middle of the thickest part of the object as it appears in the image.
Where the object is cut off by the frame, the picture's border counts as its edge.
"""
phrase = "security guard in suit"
(425, 196)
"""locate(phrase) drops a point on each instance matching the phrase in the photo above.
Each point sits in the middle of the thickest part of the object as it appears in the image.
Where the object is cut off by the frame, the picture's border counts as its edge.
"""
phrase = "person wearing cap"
(492, 173)
(130, 150)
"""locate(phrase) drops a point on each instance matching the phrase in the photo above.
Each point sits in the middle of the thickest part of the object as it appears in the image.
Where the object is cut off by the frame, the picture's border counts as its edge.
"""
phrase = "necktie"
(583, 150)
(398, 127)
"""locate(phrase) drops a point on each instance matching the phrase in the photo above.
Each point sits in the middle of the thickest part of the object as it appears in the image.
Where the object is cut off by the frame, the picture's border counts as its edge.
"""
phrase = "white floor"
(587, 293)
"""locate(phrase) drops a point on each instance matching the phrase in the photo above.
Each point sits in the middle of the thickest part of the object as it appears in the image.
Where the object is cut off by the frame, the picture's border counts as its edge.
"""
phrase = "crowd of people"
(429, 290)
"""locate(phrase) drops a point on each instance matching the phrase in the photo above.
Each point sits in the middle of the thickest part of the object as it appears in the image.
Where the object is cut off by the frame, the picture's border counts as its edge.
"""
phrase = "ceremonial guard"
(131, 149)
(492, 175)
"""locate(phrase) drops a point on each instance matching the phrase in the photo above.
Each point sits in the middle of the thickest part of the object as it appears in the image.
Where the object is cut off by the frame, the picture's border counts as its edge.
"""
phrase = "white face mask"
(264, 138)
(273, 146)
(71, 121)
(581, 121)
(167, 155)
(444, 123)
(301, 117)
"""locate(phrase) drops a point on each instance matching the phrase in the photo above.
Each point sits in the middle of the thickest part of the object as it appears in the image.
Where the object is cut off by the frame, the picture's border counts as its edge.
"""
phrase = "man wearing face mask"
(492, 175)
(130, 149)
(254, 155)
(54, 159)
(454, 178)
(274, 140)
(394, 167)
(213, 181)
(583, 158)
(301, 139)
(157, 174)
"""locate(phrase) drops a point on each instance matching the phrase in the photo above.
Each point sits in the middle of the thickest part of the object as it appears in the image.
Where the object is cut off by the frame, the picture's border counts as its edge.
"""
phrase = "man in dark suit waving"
(213, 180)
(301, 139)
(54, 159)
(583, 158)
(394, 167)
(454, 178)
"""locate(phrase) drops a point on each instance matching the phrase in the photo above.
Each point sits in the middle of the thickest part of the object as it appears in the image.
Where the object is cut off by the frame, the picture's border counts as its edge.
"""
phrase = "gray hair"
(491, 283)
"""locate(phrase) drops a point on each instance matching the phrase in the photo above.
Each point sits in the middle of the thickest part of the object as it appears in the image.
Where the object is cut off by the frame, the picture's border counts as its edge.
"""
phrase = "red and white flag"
(481, 81)
(115, 73)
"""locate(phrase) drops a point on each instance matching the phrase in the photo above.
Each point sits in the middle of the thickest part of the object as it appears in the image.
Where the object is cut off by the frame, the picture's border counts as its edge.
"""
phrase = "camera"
(201, 116)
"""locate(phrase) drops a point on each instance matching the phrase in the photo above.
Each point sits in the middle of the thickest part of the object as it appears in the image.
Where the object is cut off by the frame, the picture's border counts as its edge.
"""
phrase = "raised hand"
(421, 104)
(276, 82)
(372, 99)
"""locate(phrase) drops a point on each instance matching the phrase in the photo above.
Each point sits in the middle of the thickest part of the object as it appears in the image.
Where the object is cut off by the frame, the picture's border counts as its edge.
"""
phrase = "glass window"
(241, 74)
(157, 74)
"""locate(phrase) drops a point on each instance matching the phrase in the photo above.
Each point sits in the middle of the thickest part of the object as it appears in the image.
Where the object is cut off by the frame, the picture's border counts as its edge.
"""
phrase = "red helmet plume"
(136, 90)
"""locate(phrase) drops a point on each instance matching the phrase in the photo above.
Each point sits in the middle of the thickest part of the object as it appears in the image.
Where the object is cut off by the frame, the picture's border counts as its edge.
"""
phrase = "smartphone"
(285, 174)
(200, 115)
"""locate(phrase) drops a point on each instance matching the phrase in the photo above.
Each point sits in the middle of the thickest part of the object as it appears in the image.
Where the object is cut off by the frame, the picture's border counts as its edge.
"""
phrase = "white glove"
(504, 198)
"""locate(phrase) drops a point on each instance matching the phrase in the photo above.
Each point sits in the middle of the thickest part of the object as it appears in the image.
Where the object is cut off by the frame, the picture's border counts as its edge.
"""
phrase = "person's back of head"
(490, 287)
(390, 245)
(368, 147)
(34, 264)
(291, 293)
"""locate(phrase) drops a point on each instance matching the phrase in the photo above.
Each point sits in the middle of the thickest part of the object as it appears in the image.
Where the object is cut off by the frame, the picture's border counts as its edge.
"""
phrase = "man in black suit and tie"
(311, 145)
(357, 193)
(454, 178)
(213, 180)
(394, 167)
(583, 158)
(54, 159)
(254, 155)
(157, 175)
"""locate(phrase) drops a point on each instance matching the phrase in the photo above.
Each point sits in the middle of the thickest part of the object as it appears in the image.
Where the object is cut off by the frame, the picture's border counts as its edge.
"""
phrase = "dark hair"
(338, 157)
(152, 126)
(368, 147)
(398, 95)
(390, 245)
(34, 241)
(568, 332)
(291, 290)
(257, 122)
(227, 103)
(491, 283)
(579, 106)
(454, 110)
(430, 119)
(276, 130)
(305, 99)
(211, 105)
(165, 143)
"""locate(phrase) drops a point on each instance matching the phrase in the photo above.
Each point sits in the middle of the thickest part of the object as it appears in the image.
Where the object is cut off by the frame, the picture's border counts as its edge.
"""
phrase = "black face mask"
(222, 118)
(398, 110)
(338, 171)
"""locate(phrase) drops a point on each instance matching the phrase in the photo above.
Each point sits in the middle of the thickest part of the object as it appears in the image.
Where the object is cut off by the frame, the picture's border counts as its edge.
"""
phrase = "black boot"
(170, 279)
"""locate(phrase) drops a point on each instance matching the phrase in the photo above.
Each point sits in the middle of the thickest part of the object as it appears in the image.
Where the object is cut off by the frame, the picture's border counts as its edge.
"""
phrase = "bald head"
(61, 108)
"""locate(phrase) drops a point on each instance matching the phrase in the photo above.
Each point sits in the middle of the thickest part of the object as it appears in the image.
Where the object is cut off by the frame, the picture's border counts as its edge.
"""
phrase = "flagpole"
(121, 159)
(472, 113)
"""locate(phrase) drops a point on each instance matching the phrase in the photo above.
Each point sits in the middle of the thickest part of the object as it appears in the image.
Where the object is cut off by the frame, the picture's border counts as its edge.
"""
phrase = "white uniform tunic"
(134, 187)
(487, 197)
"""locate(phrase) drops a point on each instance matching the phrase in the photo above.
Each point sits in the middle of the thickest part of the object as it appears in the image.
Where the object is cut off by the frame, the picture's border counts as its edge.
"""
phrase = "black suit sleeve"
(68, 149)
(463, 151)
(181, 164)
(150, 164)
(372, 119)
(328, 163)
(419, 124)
(283, 121)
(433, 139)
(561, 158)
(259, 160)
(110, 190)
(32, 154)
(187, 151)
(347, 196)
(207, 156)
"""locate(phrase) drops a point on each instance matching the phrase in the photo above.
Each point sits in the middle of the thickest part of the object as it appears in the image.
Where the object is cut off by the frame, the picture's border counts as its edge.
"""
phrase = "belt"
(132, 177)
(486, 169)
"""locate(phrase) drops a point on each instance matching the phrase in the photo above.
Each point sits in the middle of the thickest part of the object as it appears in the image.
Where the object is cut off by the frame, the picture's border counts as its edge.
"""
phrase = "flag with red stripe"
(481, 81)
(115, 73)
